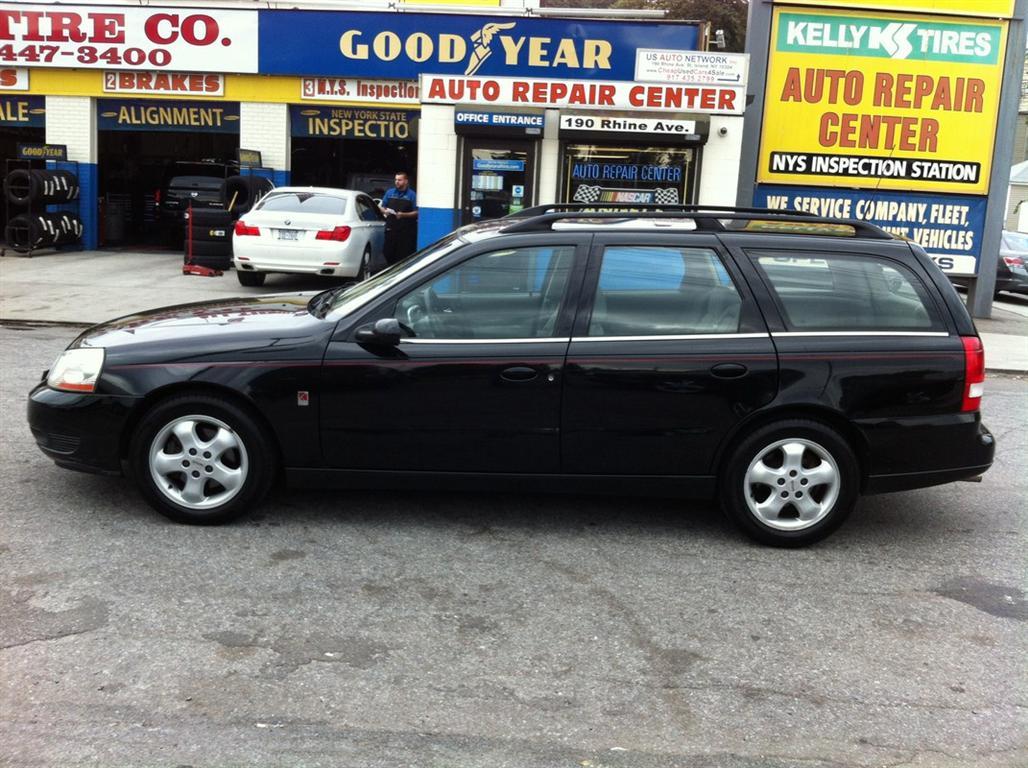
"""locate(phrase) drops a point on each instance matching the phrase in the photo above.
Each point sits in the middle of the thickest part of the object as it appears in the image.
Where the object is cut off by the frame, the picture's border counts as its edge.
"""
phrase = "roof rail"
(537, 210)
(707, 218)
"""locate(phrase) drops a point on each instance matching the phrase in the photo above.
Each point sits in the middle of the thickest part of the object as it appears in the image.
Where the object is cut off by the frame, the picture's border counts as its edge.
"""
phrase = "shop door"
(498, 178)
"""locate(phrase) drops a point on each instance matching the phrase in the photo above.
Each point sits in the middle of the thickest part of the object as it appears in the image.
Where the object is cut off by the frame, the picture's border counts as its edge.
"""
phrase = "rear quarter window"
(842, 292)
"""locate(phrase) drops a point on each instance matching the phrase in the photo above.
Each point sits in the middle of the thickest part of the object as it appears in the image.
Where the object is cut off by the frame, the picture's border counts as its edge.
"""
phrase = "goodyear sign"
(22, 111)
(400, 45)
(352, 123)
(884, 101)
(166, 115)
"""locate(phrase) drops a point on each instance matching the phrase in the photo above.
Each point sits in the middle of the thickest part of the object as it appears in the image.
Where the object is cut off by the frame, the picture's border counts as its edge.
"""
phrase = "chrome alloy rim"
(198, 462)
(792, 484)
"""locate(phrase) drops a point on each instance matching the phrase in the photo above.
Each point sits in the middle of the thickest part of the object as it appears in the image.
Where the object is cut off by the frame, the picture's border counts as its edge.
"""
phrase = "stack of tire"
(31, 188)
(211, 228)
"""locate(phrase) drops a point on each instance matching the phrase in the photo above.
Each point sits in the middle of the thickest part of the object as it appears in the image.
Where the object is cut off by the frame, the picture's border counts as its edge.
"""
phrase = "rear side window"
(848, 293)
(300, 202)
(661, 291)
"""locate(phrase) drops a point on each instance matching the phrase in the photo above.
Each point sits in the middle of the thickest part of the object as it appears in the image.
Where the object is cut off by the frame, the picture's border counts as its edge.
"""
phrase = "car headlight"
(76, 370)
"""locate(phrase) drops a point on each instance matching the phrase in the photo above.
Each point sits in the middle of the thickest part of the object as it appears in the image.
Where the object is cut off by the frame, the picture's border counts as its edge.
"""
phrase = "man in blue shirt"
(400, 207)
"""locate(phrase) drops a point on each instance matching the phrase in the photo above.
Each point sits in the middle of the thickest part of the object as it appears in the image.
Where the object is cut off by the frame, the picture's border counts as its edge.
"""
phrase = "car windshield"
(1016, 241)
(362, 292)
(303, 202)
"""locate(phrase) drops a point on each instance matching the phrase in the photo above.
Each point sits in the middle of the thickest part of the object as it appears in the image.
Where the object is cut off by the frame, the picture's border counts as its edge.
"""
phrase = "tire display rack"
(50, 208)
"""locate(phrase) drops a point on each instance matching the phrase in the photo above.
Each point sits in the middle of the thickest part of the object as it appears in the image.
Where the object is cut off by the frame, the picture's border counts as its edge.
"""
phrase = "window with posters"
(645, 175)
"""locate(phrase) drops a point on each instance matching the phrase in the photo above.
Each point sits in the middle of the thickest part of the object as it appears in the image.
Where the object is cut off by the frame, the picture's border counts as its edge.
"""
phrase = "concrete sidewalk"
(89, 287)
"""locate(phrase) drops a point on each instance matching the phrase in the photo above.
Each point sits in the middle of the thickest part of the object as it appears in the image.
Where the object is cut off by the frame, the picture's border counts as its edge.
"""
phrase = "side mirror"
(384, 332)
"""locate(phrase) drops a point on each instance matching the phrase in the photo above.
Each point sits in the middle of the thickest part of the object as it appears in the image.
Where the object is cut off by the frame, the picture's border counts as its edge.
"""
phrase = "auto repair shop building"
(489, 112)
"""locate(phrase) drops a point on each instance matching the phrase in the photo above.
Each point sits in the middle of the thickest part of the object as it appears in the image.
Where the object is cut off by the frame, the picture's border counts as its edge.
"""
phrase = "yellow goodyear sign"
(884, 101)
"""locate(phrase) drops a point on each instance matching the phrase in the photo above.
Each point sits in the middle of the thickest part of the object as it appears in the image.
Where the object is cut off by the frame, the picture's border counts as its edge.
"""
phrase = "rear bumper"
(956, 447)
(338, 259)
(81, 432)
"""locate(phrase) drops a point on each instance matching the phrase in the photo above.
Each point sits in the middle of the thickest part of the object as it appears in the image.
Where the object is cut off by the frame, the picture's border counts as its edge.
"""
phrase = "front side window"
(848, 293)
(510, 294)
(661, 291)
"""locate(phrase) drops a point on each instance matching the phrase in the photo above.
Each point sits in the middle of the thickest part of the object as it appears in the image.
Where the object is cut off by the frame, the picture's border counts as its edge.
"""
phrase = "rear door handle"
(519, 373)
(729, 370)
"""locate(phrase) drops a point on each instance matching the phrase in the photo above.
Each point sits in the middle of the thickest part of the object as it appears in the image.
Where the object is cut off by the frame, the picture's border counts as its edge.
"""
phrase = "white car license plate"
(288, 234)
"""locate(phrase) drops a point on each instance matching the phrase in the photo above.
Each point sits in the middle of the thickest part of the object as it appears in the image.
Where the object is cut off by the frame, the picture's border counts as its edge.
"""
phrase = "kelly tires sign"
(124, 37)
(883, 101)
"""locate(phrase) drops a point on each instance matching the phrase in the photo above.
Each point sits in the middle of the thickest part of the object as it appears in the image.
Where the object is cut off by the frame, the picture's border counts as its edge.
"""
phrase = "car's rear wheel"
(790, 483)
(250, 279)
(365, 269)
(201, 459)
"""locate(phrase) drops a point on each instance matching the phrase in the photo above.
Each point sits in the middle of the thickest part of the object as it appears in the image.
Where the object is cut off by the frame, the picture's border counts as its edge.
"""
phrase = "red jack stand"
(189, 268)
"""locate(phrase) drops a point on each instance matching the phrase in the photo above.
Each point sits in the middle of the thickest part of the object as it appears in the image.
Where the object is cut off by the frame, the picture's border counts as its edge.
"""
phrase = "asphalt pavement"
(93, 286)
(399, 629)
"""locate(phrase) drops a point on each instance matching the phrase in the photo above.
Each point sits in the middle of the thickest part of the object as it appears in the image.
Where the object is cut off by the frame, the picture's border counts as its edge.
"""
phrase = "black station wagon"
(781, 363)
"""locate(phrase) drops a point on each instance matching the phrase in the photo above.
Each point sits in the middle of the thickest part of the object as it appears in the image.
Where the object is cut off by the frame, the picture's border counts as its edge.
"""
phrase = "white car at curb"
(308, 230)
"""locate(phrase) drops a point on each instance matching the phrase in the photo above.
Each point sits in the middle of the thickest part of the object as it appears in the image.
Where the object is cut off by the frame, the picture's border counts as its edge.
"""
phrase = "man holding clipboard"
(400, 207)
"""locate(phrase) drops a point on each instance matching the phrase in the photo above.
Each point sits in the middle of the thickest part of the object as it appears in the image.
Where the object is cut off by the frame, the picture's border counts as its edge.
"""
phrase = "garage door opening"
(139, 155)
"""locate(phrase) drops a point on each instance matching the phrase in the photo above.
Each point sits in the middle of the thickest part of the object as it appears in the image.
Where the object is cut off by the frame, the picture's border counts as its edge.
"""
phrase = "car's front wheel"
(201, 459)
(250, 279)
(790, 483)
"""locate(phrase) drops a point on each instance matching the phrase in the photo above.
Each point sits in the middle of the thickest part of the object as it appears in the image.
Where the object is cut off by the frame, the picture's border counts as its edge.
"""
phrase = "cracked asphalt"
(400, 629)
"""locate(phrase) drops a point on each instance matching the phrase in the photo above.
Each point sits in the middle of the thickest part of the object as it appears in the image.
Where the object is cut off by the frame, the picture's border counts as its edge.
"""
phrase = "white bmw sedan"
(308, 230)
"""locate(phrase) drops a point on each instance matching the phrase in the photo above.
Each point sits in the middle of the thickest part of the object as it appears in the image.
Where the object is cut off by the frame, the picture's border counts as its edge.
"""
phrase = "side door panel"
(667, 399)
(451, 400)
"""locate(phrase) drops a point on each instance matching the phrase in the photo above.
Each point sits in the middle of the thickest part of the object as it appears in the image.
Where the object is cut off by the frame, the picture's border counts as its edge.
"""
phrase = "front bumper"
(79, 431)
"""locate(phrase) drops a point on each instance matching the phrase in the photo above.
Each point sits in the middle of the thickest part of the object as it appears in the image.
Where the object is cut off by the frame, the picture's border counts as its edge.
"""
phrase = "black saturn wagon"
(781, 363)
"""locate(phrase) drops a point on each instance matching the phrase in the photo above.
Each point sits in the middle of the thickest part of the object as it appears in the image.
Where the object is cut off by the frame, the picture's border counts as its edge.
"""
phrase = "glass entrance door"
(497, 178)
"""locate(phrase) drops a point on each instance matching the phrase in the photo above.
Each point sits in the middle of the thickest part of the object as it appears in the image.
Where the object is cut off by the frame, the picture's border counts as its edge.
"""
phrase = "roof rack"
(708, 218)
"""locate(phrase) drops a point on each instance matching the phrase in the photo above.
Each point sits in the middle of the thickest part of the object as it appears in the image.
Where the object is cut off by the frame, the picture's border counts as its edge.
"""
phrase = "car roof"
(331, 191)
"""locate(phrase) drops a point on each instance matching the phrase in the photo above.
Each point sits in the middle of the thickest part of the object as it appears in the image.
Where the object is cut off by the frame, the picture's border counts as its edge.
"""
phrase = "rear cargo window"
(303, 203)
(848, 293)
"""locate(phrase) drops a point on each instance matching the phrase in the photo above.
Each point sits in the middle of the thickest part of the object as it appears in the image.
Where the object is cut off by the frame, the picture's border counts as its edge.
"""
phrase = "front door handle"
(519, 373)
(729, 370)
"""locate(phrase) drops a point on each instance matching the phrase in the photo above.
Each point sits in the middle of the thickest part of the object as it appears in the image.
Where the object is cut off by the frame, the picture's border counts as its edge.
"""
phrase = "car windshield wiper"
(320, 301)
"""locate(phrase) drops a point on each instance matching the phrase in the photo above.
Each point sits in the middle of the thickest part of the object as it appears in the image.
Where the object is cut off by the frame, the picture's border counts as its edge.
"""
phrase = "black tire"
(203, 248)
(364, 271)
(213, 233)
(23, 186)
(240, 193)
(256, 461)
(787, 529)
(203, 217)
(224, 263)
(23, 233)
(251, 279)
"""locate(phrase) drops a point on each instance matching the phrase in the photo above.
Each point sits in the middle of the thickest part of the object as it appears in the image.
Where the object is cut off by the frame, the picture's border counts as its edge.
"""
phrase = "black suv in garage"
(781, 363)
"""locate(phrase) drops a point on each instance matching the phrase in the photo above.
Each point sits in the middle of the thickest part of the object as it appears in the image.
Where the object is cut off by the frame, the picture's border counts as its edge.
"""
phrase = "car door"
(372, 223)
(668, 353)
(475, 386)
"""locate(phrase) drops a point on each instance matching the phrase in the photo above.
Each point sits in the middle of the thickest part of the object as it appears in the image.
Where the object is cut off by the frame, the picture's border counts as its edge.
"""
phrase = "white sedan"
(308, 230)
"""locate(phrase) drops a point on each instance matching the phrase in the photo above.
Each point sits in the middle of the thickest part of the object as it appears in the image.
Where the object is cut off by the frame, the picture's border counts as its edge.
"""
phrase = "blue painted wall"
(433, 223)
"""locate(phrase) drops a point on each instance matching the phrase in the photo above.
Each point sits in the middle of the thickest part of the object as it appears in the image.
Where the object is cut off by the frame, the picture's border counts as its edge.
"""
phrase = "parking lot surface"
(405, 629)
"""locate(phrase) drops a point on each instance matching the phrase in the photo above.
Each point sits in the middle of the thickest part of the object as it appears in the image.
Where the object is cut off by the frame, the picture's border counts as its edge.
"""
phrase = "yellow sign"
(271, 89)
(986, 9)
(881, 101)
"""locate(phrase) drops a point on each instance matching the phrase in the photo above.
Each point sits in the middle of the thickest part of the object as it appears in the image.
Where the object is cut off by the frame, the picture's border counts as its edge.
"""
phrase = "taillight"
(974, 373)
(339, 234)
(242, 228)
(157, 196)
(1013, 261)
